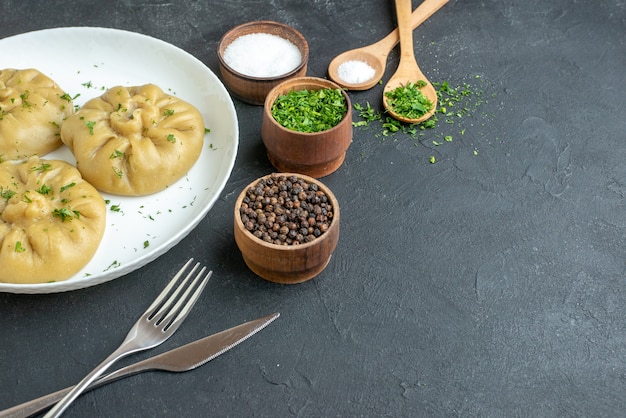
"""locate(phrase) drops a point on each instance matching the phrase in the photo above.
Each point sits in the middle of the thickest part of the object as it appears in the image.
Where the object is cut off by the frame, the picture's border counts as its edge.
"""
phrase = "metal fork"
(154, 327)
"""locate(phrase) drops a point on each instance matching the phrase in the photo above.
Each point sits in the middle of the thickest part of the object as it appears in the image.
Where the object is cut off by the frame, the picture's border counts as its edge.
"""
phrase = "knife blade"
(181, 359)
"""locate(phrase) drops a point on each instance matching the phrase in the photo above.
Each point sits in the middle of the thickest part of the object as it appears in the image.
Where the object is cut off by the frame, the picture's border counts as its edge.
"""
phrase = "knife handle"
(32, 407)
(29, 408)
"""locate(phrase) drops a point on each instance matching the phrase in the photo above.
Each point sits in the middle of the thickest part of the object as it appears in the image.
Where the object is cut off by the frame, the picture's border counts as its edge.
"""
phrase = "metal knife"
(181, 359)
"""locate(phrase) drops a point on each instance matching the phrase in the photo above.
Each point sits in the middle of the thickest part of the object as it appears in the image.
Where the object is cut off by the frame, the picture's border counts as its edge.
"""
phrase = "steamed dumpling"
(51, 221)
(134, 141)
(32, 109)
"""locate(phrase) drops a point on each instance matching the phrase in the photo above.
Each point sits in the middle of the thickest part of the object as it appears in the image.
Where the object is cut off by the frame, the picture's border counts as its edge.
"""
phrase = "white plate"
(88, 60)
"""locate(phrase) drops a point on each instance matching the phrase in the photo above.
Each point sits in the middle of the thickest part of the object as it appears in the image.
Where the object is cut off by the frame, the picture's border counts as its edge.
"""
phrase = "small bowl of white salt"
(257, 56)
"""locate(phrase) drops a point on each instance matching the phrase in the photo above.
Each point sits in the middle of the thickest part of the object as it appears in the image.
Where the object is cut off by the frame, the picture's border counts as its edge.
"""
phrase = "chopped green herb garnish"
(69, 98)
(118, 172)
(117, 154)
(409, 101)
(44, 189)
(168, 112)
(114, 264)
(6, 194)
(18, 247)
(42, 167)
(310, 110)
(67, 186)
(90, 124)
(171, 138)
(454, 103)
(66, 214)
(24, 97)
(367, 113)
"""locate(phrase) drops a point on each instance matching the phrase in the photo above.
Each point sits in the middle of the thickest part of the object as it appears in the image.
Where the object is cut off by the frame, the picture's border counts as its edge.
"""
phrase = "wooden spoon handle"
(425, 10)
(405, 32)
(419, 16)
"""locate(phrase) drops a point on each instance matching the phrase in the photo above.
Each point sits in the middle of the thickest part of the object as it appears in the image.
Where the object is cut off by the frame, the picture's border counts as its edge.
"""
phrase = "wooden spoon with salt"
(408, 71)
(375, 55)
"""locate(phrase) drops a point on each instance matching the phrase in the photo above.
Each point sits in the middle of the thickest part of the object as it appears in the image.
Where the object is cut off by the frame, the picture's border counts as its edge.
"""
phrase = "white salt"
(355, 72)
(262, 55)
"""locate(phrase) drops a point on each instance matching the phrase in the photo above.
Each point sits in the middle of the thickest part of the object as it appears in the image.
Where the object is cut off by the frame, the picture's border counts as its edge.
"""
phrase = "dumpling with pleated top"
(32, 109)
(51, 221)
(134, 141)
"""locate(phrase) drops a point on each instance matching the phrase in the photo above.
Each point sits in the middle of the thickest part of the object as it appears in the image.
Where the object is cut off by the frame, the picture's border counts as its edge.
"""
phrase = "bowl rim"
(267, 107)
(298, 247)
(303, 48)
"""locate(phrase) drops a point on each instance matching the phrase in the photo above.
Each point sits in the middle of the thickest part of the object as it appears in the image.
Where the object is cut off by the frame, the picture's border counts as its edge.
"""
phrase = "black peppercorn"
(286, 210)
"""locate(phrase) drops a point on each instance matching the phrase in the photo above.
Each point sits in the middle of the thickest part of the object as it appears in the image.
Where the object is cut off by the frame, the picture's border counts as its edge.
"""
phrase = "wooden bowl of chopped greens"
(307, 126)
(255, 57)
(286, 226)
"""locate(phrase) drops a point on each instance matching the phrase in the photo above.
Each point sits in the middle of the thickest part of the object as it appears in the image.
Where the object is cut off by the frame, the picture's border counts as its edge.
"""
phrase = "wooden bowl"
(287, 264)
(315, 154)
(250, 89)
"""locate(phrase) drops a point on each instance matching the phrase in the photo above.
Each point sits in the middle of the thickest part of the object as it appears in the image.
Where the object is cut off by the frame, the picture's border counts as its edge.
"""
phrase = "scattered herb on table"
(409, 101)
(458, 105)
(367, 113)
(310, 110)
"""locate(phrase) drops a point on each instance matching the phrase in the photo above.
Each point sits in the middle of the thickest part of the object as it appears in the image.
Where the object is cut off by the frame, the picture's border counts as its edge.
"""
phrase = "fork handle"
(75, 392)
(31, 407)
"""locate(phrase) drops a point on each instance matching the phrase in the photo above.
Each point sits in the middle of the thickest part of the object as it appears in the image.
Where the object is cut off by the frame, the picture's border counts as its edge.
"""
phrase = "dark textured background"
(487, 284)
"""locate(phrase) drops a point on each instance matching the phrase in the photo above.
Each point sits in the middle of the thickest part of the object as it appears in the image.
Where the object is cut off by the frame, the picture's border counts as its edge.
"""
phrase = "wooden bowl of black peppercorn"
(286, 226)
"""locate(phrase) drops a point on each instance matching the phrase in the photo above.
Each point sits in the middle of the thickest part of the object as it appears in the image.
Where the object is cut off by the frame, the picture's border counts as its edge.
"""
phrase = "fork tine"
(158, 301)
(172, 325)
(161, 309)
